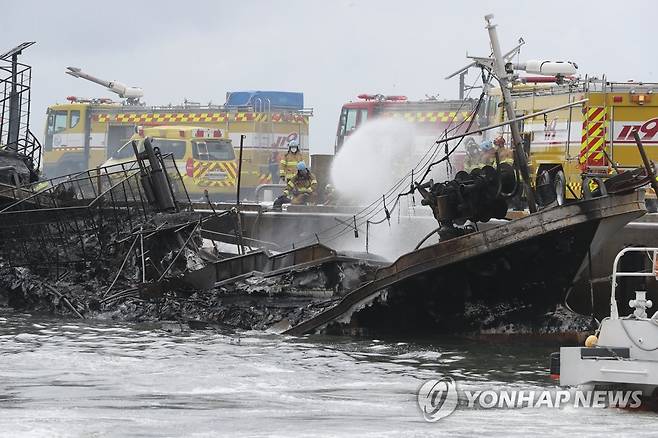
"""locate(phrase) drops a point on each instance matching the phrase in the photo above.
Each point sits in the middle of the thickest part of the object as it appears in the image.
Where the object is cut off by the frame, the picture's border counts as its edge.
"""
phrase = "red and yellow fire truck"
(431, 120)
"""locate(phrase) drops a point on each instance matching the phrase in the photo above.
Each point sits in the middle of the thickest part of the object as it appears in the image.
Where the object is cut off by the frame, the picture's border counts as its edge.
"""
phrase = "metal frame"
(52, 225)
(614, 310)
(15, 107)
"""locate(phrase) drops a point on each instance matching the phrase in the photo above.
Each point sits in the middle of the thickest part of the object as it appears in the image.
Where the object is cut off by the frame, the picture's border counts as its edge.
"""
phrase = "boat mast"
(502, 75)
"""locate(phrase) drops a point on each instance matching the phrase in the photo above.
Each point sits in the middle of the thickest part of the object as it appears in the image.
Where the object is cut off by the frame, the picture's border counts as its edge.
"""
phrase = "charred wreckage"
(125, 242)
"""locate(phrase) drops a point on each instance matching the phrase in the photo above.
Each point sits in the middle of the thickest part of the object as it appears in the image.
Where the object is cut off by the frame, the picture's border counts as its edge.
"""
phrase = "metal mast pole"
(519, 154)
(462, 84)
(14, 106)
(237, 191)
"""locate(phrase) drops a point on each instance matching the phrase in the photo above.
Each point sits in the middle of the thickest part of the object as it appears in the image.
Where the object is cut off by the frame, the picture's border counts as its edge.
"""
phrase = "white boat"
(624, 351)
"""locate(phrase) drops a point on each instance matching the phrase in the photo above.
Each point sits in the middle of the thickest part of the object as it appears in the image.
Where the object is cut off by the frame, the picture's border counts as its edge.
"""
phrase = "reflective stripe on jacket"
(288, 164)
(301, 184)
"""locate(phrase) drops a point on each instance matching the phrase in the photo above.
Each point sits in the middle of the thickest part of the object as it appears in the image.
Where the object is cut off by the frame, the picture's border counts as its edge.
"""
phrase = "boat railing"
(651, 252)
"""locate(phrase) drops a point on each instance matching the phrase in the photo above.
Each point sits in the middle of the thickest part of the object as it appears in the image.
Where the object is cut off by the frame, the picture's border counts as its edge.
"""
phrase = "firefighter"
(288, 164)
(478, 155)
(302, 187)
(473, 155)
(330, 197)
(505, 155)
(487, 153)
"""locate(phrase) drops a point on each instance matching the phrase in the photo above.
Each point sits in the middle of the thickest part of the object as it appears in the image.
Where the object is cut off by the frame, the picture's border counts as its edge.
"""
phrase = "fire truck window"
(57, 122)
(520, 123)
(200, 150)
(75, 118)
(50, 123)
(364, 116)
(127, 151)
(213, 150)
(341, 123)
(492, 106)
(176, 147)
(483, 113)
(350, 124)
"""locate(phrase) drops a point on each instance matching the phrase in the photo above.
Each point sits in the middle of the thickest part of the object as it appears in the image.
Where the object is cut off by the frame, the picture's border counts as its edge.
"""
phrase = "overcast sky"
(330, 50)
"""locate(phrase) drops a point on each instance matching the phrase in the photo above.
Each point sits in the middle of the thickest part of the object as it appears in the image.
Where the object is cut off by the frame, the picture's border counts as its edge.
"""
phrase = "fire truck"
(84, 133)
(203, 158)
(431, 120)
(587, 140)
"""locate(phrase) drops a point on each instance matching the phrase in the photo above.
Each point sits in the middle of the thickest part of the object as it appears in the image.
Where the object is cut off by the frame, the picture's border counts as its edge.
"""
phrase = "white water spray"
(371, 161)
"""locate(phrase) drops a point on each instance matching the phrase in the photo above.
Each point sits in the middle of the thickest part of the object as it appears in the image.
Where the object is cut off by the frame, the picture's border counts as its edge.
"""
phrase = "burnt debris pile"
(129, 224)
(123, 241)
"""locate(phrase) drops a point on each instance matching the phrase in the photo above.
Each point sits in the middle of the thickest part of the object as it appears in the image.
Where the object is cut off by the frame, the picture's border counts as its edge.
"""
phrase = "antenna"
(16, 50)
(480, 60)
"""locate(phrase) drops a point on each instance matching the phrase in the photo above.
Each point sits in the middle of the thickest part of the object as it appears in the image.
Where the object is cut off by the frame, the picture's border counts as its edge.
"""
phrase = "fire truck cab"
(203, 157)
(431, 118)
(355, 114)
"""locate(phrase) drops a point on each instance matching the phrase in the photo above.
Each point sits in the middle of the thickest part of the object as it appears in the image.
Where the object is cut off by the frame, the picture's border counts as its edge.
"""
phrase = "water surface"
(103, 378)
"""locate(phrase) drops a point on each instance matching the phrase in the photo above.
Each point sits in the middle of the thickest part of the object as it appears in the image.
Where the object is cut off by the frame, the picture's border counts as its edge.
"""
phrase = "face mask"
(294, 150)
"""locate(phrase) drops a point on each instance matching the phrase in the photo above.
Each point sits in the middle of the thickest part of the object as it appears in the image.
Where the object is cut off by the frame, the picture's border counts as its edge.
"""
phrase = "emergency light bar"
(381, 97)
(207, 133)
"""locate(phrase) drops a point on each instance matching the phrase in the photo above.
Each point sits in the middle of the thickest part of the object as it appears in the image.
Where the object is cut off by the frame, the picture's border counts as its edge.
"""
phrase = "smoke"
(370, 162)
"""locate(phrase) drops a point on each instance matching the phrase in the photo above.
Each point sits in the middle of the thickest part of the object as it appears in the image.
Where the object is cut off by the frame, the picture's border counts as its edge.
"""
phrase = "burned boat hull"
(528, 263)
(512, 289)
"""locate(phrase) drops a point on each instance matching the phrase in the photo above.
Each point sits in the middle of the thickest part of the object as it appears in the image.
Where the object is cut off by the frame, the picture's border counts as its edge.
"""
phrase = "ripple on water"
(99, 378)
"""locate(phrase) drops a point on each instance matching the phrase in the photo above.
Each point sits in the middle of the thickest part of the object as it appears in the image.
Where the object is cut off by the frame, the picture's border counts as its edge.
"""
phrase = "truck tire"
(560, 187)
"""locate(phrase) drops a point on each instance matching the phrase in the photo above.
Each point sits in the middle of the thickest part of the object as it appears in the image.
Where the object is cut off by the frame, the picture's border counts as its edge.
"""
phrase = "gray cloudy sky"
(330, 50)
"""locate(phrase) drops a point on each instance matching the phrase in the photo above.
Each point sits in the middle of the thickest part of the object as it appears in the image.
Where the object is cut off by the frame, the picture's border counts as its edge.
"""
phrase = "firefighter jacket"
(288, 164)
(302, 183)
